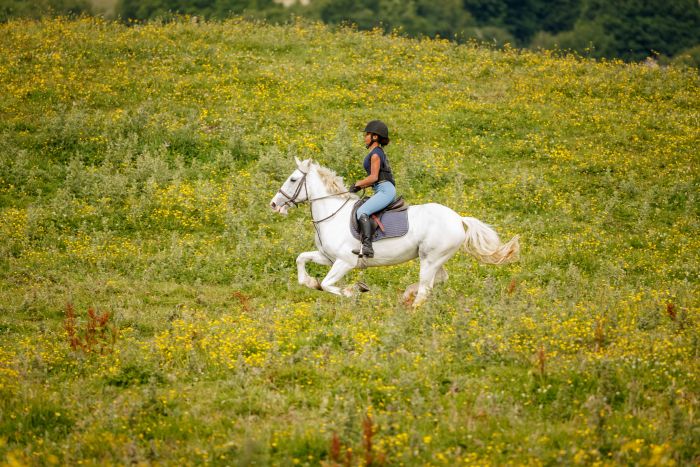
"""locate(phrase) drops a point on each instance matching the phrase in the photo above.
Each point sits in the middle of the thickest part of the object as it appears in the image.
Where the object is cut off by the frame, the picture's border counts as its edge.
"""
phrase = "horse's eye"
(293, 179)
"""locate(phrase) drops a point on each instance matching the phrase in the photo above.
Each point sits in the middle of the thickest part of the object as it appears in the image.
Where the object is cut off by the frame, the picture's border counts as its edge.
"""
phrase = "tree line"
(632, 30)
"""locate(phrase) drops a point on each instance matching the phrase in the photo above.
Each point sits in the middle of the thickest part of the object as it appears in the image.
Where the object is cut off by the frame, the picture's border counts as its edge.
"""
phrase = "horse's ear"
(304, 165)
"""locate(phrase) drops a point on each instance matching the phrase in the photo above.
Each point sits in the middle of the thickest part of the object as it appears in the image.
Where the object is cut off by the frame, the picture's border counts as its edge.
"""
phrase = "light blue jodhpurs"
(384, 194)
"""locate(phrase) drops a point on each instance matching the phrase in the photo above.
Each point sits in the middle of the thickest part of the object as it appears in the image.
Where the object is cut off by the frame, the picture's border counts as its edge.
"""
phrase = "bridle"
(293, 200)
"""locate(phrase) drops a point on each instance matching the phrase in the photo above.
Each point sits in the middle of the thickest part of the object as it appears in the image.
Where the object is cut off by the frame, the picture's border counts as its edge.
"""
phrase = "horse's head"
(293, 191)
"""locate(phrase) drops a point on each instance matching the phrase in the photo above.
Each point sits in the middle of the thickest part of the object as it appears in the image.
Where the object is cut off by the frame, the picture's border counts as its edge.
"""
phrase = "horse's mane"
(332, 182)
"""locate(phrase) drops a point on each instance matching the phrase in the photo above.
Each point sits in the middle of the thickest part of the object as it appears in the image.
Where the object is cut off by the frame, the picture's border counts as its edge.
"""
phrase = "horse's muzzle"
(281, 209)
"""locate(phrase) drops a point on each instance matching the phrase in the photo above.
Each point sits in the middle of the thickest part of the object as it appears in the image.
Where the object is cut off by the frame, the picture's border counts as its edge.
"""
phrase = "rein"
(292, 200)
(336, 212)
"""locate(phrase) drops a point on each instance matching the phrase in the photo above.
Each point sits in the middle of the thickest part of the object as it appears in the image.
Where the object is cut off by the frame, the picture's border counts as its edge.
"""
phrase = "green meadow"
(149, 306)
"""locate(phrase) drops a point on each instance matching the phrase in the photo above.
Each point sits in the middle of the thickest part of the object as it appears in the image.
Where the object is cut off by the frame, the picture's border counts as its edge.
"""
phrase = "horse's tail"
(483, 243)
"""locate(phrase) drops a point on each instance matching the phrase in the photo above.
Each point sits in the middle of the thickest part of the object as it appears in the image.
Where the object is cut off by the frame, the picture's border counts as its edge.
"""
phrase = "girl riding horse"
(379, 177)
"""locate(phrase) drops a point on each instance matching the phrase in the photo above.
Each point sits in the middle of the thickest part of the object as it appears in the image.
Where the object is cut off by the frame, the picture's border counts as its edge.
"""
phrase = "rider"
(379, 177)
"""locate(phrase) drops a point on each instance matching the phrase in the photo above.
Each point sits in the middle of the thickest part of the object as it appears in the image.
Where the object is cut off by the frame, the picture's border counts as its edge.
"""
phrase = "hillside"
(136, 168)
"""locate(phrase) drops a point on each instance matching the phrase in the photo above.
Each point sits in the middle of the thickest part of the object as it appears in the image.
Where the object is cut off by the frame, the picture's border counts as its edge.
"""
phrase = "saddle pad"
(395, 225)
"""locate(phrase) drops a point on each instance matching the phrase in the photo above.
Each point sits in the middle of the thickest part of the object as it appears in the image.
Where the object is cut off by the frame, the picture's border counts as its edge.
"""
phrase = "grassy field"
(105, 7)
(149, 309)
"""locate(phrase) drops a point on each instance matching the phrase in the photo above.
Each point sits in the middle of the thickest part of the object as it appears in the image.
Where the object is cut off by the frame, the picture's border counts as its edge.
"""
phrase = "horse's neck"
(326, 204)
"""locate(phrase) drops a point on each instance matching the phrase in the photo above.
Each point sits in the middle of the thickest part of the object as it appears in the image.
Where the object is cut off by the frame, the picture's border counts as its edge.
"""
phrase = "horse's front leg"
(304, 277)
(338, 270)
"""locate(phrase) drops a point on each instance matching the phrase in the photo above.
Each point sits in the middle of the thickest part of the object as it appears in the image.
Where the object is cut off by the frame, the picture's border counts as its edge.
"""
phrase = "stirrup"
(361, 252)
(370, 253)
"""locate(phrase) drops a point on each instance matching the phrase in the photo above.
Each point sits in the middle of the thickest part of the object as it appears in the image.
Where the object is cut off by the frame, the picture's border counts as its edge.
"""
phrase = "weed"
(599, 335)
(99, 335)
(541, 361)
(671, 311)
(367, 435)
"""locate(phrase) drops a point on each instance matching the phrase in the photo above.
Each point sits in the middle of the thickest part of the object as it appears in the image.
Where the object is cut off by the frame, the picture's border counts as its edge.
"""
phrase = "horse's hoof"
(312, 283)
(410, 294)
(362, 287)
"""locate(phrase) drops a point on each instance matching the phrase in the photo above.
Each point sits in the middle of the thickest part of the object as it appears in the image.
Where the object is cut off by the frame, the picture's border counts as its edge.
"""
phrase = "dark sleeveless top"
(384, 167)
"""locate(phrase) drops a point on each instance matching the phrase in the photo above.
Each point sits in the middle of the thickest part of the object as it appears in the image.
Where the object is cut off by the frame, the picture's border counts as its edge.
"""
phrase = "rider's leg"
(366, 235)
(384, 194)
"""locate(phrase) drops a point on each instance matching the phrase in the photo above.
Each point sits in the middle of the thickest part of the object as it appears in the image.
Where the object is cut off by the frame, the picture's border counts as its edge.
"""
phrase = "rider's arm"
(373, 176)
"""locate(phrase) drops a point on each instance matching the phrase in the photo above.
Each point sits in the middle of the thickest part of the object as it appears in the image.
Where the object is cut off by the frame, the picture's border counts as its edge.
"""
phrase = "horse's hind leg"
(409, 294)
(431, 272)
(411, 291)
(304, 277)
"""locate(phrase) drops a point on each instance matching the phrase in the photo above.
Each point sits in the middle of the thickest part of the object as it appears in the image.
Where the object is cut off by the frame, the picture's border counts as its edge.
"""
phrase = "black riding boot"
(366, 236)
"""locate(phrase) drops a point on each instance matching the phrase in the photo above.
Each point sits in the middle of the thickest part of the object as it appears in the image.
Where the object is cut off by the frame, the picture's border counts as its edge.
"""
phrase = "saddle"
(392, 221)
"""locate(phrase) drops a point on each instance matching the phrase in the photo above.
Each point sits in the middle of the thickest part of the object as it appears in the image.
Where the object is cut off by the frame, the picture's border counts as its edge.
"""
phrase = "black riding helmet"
(378, 128)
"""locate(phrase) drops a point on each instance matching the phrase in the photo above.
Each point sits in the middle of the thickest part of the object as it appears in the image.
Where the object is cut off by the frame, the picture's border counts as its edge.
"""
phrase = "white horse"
(435, 234)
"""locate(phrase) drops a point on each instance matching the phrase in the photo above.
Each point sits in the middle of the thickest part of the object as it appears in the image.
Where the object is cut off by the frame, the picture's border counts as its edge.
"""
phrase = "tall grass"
(136, 165)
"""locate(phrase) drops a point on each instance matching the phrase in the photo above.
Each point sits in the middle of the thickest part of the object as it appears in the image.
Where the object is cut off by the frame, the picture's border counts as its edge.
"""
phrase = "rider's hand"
(354, 189)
